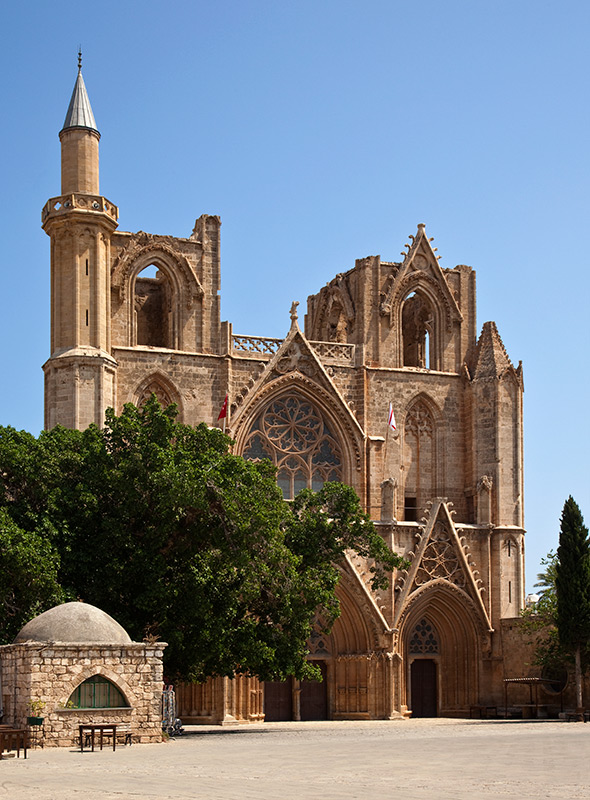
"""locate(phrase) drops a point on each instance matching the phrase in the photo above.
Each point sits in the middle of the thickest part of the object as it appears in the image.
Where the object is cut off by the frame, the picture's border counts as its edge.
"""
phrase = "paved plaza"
(435, 758)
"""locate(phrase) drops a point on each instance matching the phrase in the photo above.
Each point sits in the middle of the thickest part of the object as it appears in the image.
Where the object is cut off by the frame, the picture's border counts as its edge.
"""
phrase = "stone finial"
(294, 315)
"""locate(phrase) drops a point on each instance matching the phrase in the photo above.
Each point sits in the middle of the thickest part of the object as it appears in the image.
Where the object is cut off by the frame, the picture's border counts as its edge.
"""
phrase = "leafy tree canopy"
(158, 524)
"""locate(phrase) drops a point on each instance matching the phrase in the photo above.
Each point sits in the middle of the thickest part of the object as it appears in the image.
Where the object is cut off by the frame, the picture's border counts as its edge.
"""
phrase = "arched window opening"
(424, 639)
(336, 326)
(293, 434)
(97, 692)
(417, 330)
(153, 297)
(419, 460)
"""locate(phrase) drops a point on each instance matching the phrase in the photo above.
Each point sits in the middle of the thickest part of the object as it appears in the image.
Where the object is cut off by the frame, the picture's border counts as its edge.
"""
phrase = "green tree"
(539, 622)
(572, 588)
(161, 526)
(28, 576)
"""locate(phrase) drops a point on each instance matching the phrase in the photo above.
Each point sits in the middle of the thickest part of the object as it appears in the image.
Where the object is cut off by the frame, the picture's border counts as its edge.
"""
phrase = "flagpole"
(223, 412)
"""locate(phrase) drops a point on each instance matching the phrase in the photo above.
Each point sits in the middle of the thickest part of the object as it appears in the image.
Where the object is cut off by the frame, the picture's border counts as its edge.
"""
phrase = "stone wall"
(51, 672)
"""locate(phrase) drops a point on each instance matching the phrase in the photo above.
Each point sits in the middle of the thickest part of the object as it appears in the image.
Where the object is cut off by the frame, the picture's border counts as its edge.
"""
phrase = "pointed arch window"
(417, 331)
(152, 302)
(424, 639)
(293, 434)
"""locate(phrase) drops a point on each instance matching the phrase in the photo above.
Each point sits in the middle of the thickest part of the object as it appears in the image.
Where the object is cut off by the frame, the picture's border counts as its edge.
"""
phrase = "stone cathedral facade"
(136, 313)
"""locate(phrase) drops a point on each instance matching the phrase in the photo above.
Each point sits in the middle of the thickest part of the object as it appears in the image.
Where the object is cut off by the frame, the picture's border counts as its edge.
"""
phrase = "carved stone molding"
(146, 248)
(311, 389)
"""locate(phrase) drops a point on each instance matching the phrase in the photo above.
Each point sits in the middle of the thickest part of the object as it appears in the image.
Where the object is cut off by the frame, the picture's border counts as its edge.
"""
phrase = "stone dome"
(73, 623)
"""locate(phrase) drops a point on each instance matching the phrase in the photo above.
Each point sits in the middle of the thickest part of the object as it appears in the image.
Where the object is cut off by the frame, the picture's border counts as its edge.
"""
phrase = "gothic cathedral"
(136, 313)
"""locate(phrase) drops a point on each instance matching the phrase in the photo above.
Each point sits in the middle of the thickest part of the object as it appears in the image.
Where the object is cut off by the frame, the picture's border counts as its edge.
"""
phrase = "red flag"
(223, 412)
(391, 419)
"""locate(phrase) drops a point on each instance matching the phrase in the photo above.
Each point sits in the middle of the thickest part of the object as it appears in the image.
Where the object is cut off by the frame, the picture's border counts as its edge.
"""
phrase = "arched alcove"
(164, 390)
(419, 457)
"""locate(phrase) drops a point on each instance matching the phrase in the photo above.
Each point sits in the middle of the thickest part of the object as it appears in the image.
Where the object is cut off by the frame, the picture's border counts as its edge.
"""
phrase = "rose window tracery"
(424, 638)
(294, 435)
(440, 561)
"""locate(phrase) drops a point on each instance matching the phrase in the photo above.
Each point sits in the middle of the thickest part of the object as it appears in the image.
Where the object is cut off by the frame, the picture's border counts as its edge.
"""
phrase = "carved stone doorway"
(278, 701)
(314, 696)
(423, 687)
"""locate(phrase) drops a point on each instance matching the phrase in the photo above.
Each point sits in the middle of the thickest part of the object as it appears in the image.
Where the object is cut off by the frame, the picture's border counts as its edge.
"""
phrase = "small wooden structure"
(530, 682)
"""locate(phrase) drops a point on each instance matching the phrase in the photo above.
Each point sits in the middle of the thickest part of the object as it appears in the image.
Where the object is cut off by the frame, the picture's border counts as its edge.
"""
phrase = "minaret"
(80, 373)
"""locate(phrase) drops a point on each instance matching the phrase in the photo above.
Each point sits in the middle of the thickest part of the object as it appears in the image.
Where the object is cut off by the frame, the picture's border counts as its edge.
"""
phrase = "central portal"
(423, 683)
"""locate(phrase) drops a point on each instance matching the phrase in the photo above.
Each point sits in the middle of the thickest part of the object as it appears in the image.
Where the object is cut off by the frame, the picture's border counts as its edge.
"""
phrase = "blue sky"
(322, 132)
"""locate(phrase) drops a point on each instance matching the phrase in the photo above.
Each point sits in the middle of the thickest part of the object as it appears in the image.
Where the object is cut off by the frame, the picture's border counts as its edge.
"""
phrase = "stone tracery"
(294, 435)
(440, 560)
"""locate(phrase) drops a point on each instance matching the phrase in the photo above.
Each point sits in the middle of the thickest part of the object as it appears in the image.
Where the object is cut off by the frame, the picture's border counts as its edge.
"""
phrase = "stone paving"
(408, 759)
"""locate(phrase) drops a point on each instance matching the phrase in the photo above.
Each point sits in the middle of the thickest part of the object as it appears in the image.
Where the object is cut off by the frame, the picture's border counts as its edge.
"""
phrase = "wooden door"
(314, 696)
(278, 700)
(423, 683)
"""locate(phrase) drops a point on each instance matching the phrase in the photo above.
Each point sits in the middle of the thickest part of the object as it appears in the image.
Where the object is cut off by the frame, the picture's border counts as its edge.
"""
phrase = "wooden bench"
(484, 712)
(13, 739)
(572, 716)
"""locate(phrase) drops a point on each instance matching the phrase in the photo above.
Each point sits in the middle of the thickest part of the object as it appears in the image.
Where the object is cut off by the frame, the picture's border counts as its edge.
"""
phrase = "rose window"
(293, 434)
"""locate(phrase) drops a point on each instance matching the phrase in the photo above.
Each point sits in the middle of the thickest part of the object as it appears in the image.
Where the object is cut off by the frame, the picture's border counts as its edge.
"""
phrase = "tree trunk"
(579, 706)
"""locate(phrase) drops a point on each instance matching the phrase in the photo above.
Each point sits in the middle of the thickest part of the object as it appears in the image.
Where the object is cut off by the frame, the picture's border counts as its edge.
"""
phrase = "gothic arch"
(177, 288)
(439, 312)
(459, 640)
(350, 632)
(159, 384)
(335, 315)
(341, 430)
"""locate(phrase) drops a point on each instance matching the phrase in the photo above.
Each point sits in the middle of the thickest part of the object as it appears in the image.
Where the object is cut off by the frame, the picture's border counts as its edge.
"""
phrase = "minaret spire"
(79, 114)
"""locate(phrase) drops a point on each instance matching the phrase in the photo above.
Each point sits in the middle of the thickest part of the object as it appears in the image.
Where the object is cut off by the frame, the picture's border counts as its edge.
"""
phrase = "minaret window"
(293, 434)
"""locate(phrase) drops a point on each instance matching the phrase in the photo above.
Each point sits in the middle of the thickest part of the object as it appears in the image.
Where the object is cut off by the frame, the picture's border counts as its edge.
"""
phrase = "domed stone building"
(81, 666)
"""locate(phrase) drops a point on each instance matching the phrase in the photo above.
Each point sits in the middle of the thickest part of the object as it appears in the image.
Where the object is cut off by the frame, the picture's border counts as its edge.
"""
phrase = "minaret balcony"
(59, 206)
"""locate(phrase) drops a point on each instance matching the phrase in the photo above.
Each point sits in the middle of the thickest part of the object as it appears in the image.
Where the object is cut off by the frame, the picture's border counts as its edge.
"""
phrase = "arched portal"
(439, 628)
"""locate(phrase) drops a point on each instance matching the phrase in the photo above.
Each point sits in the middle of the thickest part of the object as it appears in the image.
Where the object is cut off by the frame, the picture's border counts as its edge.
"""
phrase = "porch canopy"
(530, 682)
